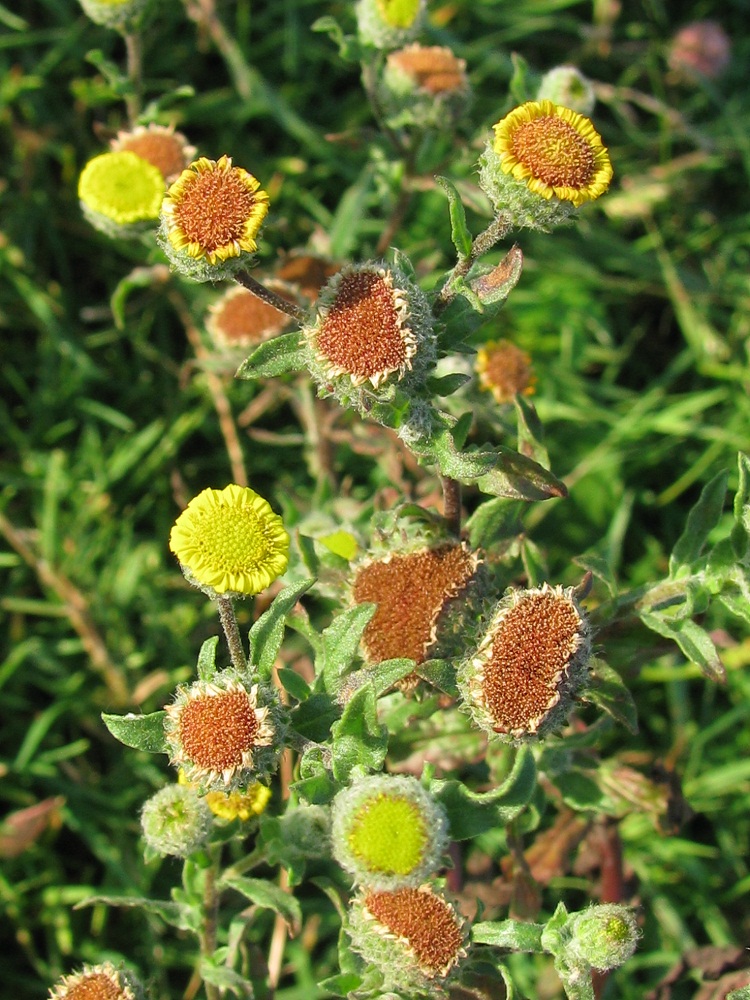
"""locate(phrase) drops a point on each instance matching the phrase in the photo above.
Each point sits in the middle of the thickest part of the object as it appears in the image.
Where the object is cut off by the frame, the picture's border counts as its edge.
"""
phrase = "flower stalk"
(228, 619)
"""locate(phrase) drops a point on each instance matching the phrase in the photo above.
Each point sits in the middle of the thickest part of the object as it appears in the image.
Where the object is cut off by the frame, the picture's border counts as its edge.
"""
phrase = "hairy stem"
(134, 53)
(452, 504)
(270, 298)
(482, 244)
(231, 631)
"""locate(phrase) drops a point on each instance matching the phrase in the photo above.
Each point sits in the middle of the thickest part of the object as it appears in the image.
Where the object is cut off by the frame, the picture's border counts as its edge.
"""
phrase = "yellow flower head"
(230, 541)
(399, 13)
(225, 733)
(556, 151)
(211, 216)
(166, 149)
(504, 370)
(98, 982)
(243, 805)
(120, 193)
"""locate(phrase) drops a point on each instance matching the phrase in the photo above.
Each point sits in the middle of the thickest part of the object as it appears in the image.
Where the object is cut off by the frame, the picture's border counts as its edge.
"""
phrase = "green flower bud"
(176, 821)
(121, 15)
(388, 24)
(603, 936)
(414, 937)
(103, 981)
(120, 194)
(567, 86)
(388, 832)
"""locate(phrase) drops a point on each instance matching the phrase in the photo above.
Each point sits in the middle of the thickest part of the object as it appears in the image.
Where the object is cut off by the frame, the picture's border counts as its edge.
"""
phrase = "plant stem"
(231, 631)
(208, 934)
(452, 504)
(481, 244)
(134, 51)
(270, 298)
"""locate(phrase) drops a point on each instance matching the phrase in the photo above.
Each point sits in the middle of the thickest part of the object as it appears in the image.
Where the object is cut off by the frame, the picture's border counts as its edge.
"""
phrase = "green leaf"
(344, 228)
(275, 357)
(694, 642)
(522, 88)
(225, 978)
(313, 718)
(358, 740)
(180, 915)
(440, 673)
(460, 234)
(579, 791)
(139, 277)
(530, 432)
(385, 674)
(341, 642)
(295, 685)
(494, 521)
(446, 385)
(141, 732)
(740, 534)
(701, 520)
(534, 563)
(265, 894)
(736, 604)
(267, 634)
(315, 784)
(606, 690)
(599, 566)
(343, 985)
(515, 935)
(310, 559)
(471, 813)
(207, 659)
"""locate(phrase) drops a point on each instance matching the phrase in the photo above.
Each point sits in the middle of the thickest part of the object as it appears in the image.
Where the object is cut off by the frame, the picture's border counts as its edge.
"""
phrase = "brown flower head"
(414, 936)
(240, 319)
(412, 591)
(224, 733)
(433, 68)
(504, 370)
(98, 982)
(519, 682)
(166, 149)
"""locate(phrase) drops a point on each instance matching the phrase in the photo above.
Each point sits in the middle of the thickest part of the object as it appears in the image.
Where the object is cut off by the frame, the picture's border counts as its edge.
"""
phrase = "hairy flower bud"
(122, 15)
(387, 24)
(424, 86)
(176, 821)
(603, 936)
(567, 86)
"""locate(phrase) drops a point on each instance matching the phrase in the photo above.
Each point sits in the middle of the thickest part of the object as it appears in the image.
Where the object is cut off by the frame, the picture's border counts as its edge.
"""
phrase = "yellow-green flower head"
(122, 15)
(567, 86)
(211, 217)
(120, 193)
(176, 821)
(388, 24)
(413, 936)
(388, 832)
(545, 161)
(226, 733)
(519, 683)
(230, 542)
(603, 936)
(372, 328)
(98, 982)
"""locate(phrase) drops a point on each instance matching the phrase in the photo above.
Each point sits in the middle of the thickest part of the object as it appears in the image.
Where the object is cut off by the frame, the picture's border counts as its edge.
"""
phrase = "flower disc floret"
(120, 193)
(225, 733)
(98, 982)
(230, 541)
(388, 832)
(532, 658)
(413, 936)
(211, 217)
(556, 151)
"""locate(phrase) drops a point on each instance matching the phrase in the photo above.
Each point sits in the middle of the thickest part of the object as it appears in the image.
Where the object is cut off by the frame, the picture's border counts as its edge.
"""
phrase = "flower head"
(413, 936)
(230, 541)
(120, 193)
(166, 149)
(211, 216)
(388, 832)
(533, 656)
(225, 733)
(98, 982)
(700, 49)
(387, 24)
(504, 370)
(121, 15)
(243, 805)
(424, 86)
(176, 821)
(412, 591)
(603, 936)
(373, 325)
(240, 319)
(567, 86)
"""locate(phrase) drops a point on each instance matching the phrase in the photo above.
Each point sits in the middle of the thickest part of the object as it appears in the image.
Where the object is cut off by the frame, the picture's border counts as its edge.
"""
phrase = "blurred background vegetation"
(637, 320)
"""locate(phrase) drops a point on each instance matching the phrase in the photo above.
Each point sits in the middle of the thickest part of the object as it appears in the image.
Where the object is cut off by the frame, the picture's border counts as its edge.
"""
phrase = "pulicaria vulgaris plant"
(438, 641)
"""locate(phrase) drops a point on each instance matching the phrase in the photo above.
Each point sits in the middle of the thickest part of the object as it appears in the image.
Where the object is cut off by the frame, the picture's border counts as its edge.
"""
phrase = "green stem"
(231, 631)
(134, 50)
(481, 244)
(209, 928)
(270, 298)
